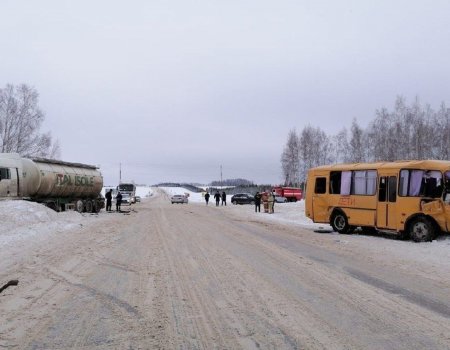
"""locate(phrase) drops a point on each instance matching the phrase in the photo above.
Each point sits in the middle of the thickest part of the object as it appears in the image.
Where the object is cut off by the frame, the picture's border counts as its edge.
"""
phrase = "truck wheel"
(89, 207)
(79, 206)
(421, 229)
(339, 222)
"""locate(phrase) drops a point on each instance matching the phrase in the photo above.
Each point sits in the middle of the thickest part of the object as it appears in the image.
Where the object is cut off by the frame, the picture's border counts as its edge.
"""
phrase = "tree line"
(20, 123)
(407, 132)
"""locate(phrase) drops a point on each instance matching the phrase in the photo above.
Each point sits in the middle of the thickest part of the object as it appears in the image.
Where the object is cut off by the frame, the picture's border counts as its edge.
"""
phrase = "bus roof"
(400, 164)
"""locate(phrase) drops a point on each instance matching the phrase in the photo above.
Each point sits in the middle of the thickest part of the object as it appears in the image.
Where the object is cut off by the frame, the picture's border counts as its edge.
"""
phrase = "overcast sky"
(172, 90)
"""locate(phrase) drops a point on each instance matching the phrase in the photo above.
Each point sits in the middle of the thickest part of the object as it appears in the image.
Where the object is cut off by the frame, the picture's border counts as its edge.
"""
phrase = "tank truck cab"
(9, 183)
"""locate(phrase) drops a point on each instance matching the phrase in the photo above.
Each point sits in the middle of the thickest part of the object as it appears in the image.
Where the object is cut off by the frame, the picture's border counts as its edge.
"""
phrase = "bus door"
(8, 182)
(387, 202)
(320, 199)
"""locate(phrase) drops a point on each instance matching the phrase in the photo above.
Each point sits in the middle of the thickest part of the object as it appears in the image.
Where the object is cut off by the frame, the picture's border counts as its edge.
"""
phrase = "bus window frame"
(324, 187)
(352, 182)
(399, 194)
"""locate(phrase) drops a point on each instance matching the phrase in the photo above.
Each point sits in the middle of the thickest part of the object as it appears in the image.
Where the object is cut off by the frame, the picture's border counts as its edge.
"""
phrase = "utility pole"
(120, 173)
(221, 182)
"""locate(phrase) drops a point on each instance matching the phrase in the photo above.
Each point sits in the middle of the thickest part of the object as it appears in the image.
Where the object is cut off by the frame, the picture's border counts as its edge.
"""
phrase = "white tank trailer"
(59, 185)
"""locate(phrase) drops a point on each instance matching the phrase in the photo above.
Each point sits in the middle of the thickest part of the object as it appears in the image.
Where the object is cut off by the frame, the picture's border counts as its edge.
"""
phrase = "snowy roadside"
(24, 220)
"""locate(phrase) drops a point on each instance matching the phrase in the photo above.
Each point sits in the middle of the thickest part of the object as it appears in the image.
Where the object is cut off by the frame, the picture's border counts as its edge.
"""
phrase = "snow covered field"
(24, 222)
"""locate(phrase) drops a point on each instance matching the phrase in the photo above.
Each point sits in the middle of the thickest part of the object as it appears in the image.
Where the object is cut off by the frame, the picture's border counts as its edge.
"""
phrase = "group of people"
(217, 197)
(108, 197)
(268, 199)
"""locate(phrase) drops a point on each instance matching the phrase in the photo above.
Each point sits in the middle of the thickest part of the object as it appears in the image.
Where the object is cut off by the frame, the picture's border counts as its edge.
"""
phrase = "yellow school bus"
(410, 198)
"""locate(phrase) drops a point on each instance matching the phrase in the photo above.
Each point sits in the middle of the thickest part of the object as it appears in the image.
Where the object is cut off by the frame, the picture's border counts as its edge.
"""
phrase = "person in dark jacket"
(207, 197)
(224, 198)
(217, 198)
(118, 201)
(108, 197)
(257, 202)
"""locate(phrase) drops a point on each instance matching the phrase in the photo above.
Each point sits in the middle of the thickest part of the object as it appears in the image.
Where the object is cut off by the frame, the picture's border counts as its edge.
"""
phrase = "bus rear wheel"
(339, 222)
(421, 229)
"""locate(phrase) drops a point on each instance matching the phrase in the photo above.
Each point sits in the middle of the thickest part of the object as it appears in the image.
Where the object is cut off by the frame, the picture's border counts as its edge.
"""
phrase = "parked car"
(179, 198)
(280, 199)
(126, 199)
(243, 198)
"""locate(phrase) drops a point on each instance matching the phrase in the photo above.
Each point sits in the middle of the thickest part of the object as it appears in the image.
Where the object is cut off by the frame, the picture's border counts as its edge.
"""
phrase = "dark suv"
(243, 198)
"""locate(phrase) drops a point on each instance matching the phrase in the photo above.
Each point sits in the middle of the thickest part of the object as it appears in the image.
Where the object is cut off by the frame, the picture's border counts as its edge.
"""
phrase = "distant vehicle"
(126, 199)
(179, 198)
(243, 198)
(280, 199)
(292, 194)
(128, 188)
(137, 199)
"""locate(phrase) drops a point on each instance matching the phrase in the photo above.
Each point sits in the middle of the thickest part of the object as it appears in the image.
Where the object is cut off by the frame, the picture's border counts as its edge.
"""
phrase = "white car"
(126, 199)
(179, 198)
(280, 199)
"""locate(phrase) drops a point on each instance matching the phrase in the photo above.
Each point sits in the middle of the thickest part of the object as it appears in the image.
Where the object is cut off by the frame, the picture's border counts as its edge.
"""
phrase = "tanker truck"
(59, 185)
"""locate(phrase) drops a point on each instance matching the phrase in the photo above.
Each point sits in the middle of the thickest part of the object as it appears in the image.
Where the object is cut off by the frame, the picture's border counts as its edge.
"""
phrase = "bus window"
(321, 185)
(364, 182)
(420, 183)
(5, 174)
(335, 182)
(392, 189)
(404, 179)
(447, 187)
(346, 183)
(340, 182)
(382, 189)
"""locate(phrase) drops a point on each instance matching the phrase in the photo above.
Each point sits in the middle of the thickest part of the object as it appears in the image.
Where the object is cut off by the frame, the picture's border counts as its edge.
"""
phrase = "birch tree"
(290, 160)
(20, 123)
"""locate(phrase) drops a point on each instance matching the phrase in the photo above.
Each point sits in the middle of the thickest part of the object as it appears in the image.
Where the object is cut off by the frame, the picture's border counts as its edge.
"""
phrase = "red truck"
(293, 194)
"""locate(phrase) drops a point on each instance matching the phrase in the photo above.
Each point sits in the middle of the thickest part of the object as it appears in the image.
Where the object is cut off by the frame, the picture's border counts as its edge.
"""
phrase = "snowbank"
(24, 220)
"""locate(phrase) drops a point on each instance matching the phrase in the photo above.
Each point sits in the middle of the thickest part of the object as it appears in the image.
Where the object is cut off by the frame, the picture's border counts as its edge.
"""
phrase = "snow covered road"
(196, 277)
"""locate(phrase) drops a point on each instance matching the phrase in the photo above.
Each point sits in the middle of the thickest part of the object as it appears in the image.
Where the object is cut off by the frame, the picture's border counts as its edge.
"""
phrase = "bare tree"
(407, 132)
(290, 161)
(356, 143)
(315, 148)
(340, 147)
(442, 133)
(20, 122)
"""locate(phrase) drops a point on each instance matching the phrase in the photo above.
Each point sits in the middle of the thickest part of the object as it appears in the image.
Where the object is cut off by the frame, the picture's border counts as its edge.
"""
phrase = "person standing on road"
(270, 199)
(207, 197)
(108, 197)
(264, 198)
(118, 201)
(217, 198)
(224, 198)
(257, 202)
(273, 203)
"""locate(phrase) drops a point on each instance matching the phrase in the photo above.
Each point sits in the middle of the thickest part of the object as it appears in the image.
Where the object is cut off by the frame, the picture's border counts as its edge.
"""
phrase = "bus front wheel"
(339, 222)
(421, 229)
